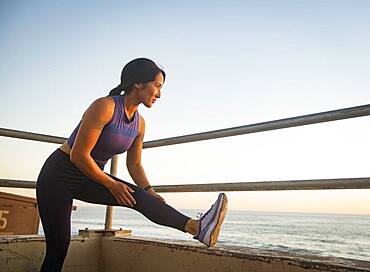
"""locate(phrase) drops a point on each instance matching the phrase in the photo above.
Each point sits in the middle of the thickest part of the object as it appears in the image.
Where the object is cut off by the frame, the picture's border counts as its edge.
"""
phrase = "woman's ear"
(138, 85)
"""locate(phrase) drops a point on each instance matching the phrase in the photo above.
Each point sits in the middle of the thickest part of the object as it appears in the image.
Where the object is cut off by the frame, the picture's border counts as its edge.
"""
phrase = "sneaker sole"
(220, 220)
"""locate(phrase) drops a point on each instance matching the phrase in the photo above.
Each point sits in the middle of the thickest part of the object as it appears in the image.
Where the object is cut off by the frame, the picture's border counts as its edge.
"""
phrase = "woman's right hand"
(122, 193)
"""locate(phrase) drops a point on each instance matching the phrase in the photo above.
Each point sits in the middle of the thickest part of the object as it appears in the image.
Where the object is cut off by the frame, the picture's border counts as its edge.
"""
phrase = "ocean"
(336, 235)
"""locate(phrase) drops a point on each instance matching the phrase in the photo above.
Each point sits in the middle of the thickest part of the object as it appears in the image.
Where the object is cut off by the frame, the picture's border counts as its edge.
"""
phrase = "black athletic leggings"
(60, 181)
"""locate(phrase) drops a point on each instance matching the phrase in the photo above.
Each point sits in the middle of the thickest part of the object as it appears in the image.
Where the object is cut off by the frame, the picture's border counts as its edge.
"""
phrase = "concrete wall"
(99, 253)
(139, 254)
(26, 253)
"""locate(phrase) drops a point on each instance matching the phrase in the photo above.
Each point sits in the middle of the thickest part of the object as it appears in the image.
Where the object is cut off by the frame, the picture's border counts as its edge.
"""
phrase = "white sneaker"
(210, 222)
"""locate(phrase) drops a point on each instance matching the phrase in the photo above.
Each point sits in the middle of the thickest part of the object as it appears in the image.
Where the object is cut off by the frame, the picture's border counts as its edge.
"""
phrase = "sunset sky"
(228, 63)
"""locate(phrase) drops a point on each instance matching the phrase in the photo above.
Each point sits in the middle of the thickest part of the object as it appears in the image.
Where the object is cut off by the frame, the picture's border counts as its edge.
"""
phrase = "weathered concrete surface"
(144, 254)
(86, 233)
(26, 253)
(100, 253)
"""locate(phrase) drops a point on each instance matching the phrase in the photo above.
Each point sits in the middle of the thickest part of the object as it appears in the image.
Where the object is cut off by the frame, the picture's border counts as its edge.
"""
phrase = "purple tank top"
(117, 135)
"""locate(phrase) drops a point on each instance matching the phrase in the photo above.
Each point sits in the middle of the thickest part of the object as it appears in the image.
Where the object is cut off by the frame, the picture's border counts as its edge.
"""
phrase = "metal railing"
(316, 184)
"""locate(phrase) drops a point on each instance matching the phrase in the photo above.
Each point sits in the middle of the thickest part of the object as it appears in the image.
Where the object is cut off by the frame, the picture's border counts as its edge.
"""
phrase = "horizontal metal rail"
(17, 183)
(315, 118)
(312, 184)
(31, 136)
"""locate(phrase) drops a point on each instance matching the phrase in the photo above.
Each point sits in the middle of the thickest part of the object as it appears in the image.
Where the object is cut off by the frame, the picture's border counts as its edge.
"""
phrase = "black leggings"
(60, 181)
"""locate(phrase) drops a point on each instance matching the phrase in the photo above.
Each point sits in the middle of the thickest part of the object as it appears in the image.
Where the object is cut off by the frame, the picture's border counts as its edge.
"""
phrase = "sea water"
(336, 235)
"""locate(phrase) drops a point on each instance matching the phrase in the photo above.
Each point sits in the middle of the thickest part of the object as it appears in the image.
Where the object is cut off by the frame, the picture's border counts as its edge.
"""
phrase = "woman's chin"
(148, 105)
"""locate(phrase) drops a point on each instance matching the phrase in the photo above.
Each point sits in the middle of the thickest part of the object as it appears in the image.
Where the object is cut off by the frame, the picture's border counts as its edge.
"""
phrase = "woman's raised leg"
(151, 207)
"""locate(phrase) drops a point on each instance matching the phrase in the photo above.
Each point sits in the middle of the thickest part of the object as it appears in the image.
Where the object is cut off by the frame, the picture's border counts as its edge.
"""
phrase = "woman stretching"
(111, 125)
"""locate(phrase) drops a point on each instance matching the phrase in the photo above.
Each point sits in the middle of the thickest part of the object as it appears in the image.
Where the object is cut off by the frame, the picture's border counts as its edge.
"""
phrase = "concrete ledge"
(86, 233)
(100, 252)
(196, 257)
(26, 253)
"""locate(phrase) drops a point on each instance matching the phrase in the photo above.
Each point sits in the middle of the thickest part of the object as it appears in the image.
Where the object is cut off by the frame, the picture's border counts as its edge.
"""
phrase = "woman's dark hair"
(140, 70)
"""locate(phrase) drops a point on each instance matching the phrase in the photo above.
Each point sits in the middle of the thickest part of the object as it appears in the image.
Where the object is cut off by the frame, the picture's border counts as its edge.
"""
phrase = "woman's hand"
(122, 193)
(153, 193)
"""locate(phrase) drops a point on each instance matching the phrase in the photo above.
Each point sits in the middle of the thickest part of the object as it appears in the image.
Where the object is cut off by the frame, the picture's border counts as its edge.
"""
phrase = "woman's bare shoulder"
(105, 101)
(102, 107)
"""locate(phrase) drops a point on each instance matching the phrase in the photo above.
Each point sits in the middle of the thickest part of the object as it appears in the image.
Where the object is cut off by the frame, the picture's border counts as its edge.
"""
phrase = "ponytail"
(116, 91)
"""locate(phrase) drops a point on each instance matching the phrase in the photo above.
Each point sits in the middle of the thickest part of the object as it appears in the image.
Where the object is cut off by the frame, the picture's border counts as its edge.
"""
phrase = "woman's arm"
(94, 119)
(133, 161)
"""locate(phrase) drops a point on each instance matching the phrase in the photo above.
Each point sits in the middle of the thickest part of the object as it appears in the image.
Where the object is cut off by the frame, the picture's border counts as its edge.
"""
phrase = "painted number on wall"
(3, 220)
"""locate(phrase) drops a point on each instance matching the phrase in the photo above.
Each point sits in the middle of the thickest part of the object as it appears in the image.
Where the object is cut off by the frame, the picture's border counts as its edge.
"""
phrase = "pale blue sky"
(228, 64)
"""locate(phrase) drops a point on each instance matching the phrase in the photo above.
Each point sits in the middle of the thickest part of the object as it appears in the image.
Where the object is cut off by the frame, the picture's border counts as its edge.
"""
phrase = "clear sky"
(228, 63)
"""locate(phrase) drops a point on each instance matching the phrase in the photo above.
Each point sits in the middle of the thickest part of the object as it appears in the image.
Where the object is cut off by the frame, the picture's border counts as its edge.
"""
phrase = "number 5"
(3, 219)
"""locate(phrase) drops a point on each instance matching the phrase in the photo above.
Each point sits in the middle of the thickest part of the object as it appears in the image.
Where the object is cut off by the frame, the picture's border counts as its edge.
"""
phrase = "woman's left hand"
(153, 193)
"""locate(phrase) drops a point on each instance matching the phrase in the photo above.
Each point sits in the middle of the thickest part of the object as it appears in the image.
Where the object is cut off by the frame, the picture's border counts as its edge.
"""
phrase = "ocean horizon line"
(254, 211)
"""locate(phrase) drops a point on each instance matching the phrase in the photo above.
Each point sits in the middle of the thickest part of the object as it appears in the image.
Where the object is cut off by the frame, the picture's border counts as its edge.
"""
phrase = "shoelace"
(199, 215)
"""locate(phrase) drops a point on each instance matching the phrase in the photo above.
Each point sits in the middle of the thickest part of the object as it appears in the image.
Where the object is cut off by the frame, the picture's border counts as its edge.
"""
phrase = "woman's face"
(150, 91)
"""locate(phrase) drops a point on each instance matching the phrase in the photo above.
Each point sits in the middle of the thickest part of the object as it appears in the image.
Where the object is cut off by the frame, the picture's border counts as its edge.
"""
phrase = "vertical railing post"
(109, 210)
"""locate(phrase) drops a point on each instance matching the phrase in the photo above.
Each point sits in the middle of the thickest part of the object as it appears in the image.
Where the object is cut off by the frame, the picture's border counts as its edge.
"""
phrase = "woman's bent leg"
(151, 207)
